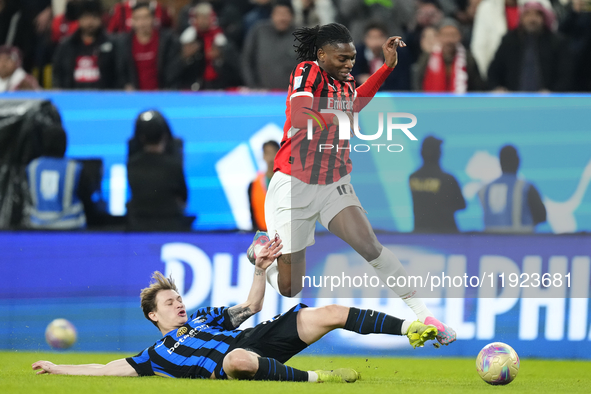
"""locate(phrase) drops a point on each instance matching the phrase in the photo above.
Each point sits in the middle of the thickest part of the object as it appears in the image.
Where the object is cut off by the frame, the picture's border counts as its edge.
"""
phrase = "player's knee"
(335, 315)
(240, 364)
(370, 250)
(289, 289)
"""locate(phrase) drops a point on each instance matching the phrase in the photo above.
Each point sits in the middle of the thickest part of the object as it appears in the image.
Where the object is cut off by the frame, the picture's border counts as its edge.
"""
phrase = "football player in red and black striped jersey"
(312, 184)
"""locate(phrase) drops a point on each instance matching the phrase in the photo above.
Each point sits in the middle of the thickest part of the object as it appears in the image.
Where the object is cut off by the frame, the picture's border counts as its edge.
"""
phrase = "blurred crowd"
(453, 45)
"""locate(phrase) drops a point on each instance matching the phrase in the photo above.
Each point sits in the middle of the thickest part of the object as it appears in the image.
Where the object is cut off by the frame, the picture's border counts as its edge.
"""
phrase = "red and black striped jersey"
(302, 157)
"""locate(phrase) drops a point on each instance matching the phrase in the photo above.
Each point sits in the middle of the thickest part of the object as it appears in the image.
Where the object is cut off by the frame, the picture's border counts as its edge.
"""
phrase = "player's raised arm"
(114, 368)
(369, 88)
(254, 303)
(389, 48)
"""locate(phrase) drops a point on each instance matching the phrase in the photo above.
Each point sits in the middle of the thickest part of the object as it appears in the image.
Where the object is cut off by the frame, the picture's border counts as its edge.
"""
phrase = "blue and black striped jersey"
(194, 350)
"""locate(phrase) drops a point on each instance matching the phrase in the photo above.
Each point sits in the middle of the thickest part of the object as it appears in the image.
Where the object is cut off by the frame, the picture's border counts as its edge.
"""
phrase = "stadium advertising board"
(538, 301)
(223, 136)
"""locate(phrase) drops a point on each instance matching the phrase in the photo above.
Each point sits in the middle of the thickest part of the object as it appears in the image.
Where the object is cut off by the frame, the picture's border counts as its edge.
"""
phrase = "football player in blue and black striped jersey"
(208, 344)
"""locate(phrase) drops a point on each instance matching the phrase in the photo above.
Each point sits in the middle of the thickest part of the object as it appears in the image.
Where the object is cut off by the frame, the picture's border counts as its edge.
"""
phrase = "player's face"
(170, 309)
(337, 60)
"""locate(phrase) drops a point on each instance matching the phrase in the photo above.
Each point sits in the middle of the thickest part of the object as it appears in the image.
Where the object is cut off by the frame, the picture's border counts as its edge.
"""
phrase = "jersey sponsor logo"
(341, 105)
(191, 334)
(181, 331)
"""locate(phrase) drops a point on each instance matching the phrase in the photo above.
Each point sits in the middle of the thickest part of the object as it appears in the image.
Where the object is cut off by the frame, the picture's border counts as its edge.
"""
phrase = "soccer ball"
(60, 334)
(497, 363)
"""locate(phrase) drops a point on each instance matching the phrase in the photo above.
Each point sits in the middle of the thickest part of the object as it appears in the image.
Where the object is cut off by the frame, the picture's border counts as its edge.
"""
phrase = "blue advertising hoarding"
(224, 133)
(94, 279)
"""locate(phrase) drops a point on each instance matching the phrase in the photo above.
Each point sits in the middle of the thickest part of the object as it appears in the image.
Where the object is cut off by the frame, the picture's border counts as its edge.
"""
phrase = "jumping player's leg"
(314, 323)
(288, 214)
(291, 267)
(362, 238)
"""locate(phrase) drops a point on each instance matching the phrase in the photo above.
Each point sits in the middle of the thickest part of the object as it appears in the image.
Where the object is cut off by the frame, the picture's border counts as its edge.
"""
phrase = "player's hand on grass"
(389, 48)
(44, 367)
(270, 251)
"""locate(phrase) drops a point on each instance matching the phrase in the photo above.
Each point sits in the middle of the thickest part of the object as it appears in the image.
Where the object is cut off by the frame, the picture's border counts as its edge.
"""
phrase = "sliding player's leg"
(352, 226)
(262, 351)
(314, 323)
(242, 364)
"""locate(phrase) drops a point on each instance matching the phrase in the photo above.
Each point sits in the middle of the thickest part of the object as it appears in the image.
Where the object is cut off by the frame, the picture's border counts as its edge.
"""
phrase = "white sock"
(312, 376)
(388, 265)
(405, 326)
(273, 275)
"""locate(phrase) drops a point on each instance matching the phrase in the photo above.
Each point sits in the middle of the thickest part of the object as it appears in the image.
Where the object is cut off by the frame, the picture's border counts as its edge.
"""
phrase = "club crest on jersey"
(181, 331)
(182, 338)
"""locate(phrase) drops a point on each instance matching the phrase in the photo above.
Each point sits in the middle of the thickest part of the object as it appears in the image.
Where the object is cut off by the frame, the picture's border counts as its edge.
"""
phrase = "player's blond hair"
(148, 295)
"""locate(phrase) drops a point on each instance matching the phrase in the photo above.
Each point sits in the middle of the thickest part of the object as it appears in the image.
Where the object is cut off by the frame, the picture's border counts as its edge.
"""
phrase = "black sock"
(271, 369)
(366, 321)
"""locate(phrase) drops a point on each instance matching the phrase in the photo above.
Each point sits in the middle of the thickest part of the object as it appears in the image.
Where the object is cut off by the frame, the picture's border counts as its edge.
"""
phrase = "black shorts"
(276, 338)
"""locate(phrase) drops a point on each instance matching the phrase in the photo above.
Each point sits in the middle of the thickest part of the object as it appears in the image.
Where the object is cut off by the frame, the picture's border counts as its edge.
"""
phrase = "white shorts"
(292, 208)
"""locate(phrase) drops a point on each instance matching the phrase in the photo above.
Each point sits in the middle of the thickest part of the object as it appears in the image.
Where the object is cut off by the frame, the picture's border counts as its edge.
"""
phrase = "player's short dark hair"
(313, 38)
(139, 5)
(151, 127)
(375, 25)
(54, 141)
(271, 143)
(509, 159)
(148, 295)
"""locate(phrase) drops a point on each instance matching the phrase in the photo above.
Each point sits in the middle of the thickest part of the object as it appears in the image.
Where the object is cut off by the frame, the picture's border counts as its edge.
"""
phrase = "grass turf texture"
(388, 375)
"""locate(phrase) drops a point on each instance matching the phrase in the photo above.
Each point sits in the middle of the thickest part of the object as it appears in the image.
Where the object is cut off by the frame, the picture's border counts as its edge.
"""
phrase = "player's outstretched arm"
(367, 90)
(389, 49)
(114, 368)
(254, 303)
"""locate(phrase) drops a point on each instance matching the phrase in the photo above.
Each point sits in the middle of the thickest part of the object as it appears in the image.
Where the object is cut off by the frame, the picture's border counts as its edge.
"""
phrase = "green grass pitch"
(378, 375)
